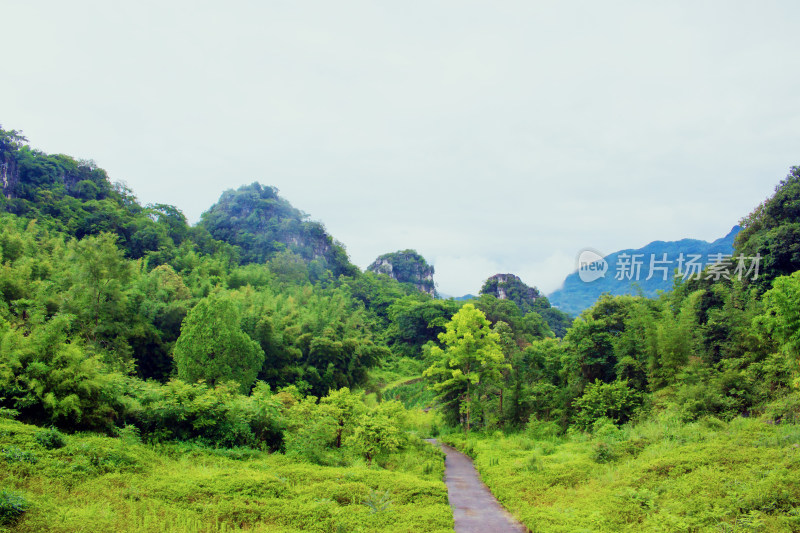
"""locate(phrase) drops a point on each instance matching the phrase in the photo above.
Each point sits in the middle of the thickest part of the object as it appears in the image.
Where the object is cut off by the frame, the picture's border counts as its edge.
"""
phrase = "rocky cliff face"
(510, 287)
(406, 266)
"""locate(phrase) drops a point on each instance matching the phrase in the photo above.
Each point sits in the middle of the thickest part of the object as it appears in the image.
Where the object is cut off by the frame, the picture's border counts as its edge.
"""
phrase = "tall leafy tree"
(344, 406)
(472, 358)
(415, 320)
(213, 347)
(99, 280)
(782, 316)
(772, 231)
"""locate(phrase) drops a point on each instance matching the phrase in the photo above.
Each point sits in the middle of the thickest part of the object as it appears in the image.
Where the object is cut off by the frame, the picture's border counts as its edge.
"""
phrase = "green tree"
(471, 360)
(98, 279)
(526, 327)
(311, 431)
(615, 401)
(772, 231)
(593, 347)
(416, 320)
(343, 406)
(379, 431)
(782, 315)
(50, 379)
(509, 349)
(213, 347)
(162, 300)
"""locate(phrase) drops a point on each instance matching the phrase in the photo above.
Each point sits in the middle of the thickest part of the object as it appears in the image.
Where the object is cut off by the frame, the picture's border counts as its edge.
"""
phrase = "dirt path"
(475, 509)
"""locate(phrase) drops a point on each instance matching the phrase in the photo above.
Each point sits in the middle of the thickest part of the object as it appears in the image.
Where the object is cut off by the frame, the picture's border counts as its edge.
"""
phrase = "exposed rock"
(406, 266)
(510, 287)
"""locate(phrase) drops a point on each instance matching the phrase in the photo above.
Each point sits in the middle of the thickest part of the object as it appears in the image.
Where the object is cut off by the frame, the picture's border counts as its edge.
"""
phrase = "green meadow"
(662, 475)
(98, 483)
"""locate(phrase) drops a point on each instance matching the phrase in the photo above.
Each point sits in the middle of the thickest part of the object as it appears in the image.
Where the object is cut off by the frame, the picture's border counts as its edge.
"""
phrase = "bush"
(540, 430)
(47, 376)
(12, 505)
(51, 439)
(784, 410)
(603, 453)
(215, 416)
(615, 401)
(378, 502)
(14, 454)
(534, 464)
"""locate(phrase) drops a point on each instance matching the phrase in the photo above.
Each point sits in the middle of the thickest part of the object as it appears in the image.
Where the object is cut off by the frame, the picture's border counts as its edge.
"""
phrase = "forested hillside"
(527, 299)
(242, 374)
(406, 266)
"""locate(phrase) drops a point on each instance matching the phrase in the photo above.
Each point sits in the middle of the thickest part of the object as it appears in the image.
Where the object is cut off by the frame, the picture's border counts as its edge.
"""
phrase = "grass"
(393, 372)
(412, 393)
(660, 475)
(97, 483)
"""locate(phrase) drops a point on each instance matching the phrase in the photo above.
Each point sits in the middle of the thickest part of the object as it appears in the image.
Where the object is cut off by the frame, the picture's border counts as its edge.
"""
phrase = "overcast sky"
(489, 136)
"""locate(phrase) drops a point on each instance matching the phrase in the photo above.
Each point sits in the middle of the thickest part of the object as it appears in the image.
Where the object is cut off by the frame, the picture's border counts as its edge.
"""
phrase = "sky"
(492, 137)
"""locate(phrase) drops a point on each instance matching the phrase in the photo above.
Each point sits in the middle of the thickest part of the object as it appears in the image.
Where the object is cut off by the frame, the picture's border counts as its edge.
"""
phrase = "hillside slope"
(406, 266)
(262, 224)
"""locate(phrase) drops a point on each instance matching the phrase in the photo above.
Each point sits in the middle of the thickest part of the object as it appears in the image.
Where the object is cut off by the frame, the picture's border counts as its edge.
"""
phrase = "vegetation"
(660, 475)
(212, 346)
(241, 374)
(263, 226)
(406, 266)
(509, 289)
(676, 413)
(98, 483)
(772, 231)
(471, 363)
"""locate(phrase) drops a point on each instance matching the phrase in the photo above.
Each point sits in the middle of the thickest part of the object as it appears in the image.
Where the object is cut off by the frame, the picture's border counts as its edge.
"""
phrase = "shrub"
(45, 375)
(603, 453)
(785, 409)
(615, 401)
(216, 416)
(13, 454)
(534, 464)
(51, 439)
(129, 434)
(12, 505)
(540, 430)
(547, 448)
(713, 423)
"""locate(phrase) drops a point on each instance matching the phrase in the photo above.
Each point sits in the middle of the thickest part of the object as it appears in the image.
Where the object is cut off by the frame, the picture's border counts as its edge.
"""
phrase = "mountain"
(261, 224)
(406, 266)
(510, 287)
(527, 299)
(626, 271)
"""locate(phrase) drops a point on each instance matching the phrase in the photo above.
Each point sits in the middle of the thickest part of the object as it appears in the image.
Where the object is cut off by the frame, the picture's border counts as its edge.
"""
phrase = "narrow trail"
(475, 509)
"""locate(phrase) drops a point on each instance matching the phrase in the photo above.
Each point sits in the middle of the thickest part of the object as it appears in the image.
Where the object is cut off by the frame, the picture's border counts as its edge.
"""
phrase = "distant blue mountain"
(628, 270)
(464, 298)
